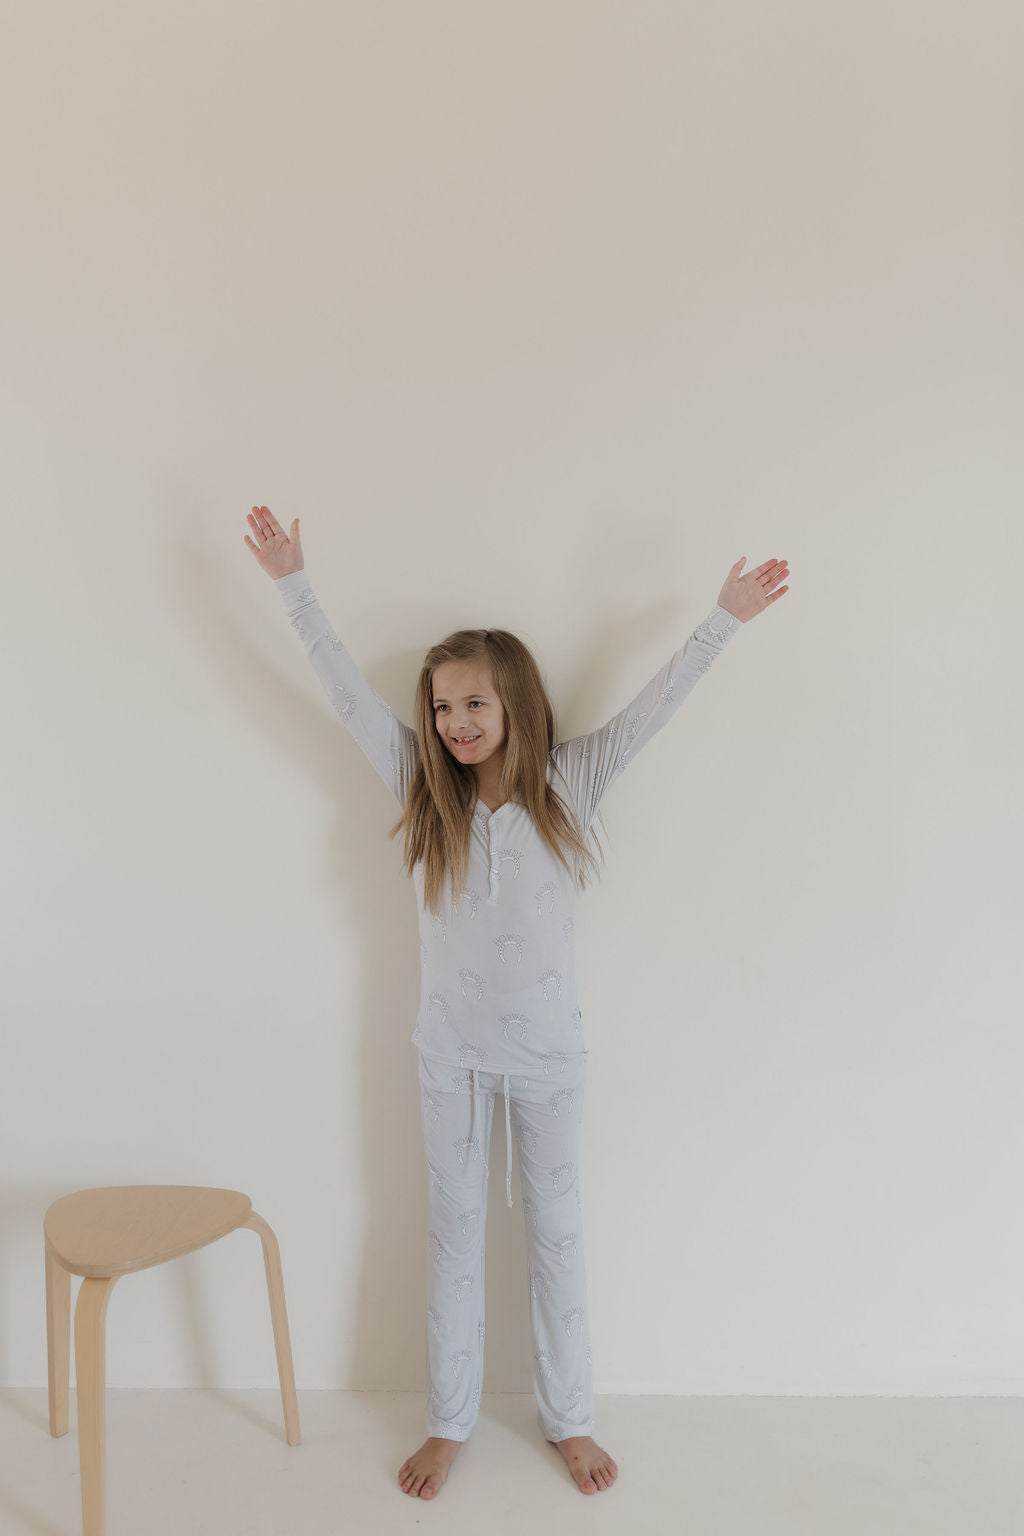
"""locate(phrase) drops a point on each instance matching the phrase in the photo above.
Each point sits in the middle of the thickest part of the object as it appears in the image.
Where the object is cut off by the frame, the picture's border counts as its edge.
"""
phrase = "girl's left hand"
(746, 596)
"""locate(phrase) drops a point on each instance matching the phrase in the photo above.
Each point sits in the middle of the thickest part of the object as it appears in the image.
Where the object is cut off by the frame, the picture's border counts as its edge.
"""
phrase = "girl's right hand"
(278, 554)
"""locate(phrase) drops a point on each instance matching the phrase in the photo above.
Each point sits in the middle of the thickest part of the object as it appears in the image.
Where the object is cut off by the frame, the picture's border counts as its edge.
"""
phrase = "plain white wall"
(538, 315)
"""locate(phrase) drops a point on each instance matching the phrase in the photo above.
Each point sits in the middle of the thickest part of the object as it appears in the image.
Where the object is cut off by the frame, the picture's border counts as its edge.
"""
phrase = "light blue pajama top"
(498, 979)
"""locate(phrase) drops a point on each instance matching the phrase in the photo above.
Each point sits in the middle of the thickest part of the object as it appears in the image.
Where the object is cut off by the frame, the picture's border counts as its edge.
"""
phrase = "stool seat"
(117, 1230)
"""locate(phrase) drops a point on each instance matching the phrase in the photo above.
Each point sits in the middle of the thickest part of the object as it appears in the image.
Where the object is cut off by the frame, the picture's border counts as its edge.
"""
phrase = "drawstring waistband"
(474, 1089)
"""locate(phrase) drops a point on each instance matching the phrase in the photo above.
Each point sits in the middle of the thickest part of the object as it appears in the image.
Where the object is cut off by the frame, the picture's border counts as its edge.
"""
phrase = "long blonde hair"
(439, 807)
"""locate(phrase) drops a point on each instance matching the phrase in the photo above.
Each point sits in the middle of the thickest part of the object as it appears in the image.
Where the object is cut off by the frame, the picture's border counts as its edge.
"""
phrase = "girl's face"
(466, 706)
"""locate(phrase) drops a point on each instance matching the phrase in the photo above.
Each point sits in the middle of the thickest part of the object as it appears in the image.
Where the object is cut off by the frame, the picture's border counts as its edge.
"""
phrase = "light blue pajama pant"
(543, 1113)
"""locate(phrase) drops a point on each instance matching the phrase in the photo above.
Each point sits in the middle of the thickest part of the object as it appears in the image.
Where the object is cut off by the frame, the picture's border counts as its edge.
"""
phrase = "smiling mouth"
(464, 741)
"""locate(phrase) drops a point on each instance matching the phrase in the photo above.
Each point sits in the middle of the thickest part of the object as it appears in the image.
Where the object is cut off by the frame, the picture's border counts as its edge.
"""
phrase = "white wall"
(538, 315)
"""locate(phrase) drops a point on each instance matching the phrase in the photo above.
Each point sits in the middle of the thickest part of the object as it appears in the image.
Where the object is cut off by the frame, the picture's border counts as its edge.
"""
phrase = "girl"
(497, 819)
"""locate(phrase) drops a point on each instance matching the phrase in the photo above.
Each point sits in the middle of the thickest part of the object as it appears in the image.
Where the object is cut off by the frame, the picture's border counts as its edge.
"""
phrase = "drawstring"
(474, 1089)
(508, 1146)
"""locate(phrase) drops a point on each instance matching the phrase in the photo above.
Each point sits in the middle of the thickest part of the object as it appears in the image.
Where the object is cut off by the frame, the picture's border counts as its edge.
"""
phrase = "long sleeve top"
(498, 986)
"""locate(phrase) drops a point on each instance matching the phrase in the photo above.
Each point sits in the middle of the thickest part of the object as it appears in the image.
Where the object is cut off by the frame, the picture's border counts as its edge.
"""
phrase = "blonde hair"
(439, 808)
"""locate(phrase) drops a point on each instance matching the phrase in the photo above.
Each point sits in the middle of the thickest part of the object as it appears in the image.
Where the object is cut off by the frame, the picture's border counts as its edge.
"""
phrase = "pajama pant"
(543, 1113)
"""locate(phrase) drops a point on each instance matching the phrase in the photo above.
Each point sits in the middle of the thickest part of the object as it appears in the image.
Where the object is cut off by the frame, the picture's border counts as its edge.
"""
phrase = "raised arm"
(591, 763)
(390, 745)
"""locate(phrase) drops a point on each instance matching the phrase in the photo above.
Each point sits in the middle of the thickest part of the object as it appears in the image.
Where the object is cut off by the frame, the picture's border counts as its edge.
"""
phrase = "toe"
(588, 1485)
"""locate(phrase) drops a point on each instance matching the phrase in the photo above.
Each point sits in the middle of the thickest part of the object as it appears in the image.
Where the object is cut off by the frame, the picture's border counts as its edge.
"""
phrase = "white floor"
(216, 1462)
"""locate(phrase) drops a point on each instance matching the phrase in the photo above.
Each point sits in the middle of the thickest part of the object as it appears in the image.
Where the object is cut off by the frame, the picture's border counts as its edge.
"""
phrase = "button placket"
(494, 860)
(494, 872)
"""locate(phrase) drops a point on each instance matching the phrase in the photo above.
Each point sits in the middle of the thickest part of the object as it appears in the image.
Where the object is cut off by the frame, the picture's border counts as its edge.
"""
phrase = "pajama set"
(499, 1014)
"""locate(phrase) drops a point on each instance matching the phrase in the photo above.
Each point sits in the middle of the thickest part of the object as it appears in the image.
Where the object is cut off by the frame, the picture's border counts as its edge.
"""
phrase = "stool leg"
(279, 1318)
(58, 1341)
(91, 1374)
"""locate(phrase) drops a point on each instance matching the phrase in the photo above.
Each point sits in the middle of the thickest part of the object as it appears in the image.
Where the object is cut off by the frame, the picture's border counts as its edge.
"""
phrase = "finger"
(260, 531)
(271, 520)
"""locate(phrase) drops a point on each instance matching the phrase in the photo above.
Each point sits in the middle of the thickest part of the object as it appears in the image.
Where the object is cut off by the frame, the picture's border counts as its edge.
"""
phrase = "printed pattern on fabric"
(549, 1144)
(498, 982)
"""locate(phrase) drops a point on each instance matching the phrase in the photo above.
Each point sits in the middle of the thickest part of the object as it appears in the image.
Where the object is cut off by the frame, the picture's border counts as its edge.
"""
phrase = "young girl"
(497, 819)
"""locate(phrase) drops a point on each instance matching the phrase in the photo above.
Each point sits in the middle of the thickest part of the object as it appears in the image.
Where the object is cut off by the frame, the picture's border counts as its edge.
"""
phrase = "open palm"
(278, 553)
(746, 596)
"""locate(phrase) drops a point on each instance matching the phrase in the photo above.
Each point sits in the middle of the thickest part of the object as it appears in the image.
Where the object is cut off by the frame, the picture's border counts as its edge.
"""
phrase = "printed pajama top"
(498, 979)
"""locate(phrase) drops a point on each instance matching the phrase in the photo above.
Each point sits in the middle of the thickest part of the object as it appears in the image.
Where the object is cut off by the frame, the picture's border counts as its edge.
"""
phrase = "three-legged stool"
(102, 1234)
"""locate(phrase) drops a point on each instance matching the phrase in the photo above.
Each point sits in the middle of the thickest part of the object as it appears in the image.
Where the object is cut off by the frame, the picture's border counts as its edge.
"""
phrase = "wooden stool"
(103, 1234)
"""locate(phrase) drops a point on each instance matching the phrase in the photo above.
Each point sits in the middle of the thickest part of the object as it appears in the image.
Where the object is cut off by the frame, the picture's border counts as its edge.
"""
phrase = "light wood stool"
(102, 1234)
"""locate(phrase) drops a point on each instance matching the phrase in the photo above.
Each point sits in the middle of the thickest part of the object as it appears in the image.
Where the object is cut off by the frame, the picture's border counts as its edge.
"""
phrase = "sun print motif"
(565, 1097)
(564, 1172)
(517, 1022)
(551, 984)
(439, 1002)
(472, 978)
(546, 1362)
(458, 1359)
(466, 1146)
(539, 1282)
(346, 705)
(506, 854)
(573, 1321)
(566, 1248)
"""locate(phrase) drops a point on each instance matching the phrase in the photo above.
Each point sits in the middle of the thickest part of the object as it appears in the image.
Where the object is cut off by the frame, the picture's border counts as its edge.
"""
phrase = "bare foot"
(592, 1467)
(425, 1471)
